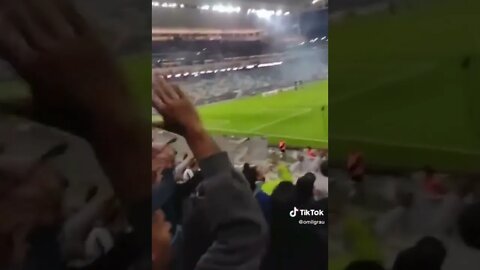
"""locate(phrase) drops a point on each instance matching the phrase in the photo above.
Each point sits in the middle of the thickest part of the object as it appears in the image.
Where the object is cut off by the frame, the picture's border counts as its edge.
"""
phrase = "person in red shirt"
(432, 185)
(356, 170)
(282, 146)
(356, 166)
(310, 152)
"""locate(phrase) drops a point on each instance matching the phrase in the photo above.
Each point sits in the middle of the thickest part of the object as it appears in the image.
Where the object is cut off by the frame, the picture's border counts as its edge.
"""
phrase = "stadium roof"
(294, 6)
(238, 14)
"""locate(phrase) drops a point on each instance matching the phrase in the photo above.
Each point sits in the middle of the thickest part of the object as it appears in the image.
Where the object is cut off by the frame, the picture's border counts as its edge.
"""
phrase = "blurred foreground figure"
(429, 253)
(76, 87)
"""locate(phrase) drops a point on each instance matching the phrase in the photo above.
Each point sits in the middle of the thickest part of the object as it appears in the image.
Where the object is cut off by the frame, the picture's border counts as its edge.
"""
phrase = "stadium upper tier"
(191, 62)
(216, 46)
(208, 86)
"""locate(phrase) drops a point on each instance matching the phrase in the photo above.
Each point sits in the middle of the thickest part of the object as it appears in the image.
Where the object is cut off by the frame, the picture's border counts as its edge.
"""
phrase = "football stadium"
(248, 76)
(257, 73)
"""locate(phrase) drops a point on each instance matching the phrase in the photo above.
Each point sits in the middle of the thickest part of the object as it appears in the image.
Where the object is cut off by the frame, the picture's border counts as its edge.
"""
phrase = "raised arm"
(232, 213)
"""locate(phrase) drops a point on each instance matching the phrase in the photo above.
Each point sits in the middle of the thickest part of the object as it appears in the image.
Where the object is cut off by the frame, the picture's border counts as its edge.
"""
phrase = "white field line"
(409, 145)
(304, 111)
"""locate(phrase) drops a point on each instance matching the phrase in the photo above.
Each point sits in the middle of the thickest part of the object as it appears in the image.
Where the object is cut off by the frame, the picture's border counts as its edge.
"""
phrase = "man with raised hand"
(223, 225)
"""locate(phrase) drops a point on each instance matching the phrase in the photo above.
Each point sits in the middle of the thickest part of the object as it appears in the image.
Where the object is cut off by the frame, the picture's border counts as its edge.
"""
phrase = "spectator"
(279, 254)
(250, 173)
(304, 189)
(64, 92)
(433, 186)
(223, 226)
(469, 225)
(428, 254)
(300, 166)
(31, 211)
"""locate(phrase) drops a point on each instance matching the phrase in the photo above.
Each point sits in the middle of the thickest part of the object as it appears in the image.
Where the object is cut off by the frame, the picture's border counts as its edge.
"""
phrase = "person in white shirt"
(395, 220)
(320, 186)
(300, 167)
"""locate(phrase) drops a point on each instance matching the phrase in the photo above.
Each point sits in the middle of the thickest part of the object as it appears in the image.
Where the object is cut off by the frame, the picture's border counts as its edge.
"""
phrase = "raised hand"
(51, 46)
(179, 113)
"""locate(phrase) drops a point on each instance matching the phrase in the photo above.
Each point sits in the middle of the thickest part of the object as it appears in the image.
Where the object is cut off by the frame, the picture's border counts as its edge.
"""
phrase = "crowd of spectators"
(223, 213)
(50, 219)
(55, 216)
(386, 220)
(220, 86)
(230, 85)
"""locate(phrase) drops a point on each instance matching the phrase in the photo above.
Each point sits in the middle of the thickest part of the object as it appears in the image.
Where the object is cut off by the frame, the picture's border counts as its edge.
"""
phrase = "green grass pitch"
(399, 92)
(294, 116)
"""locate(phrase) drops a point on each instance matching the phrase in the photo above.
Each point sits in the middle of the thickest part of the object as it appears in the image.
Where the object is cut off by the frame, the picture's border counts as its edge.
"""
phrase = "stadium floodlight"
(226, 9)
(182, 5)
(216, 70)
(240, 68)
(209, 71)
(250, 66)
(222, 70)
(202, 72)
(286, 13)
(186, 74)
(302, 43)
(155, 4)
(235, 69)
(178, 75)
(315, 1)
(324, 37)
(264, 13)
(205, 7)
(228, 69)
(314, 40)
(169, 76)
(195, 74)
